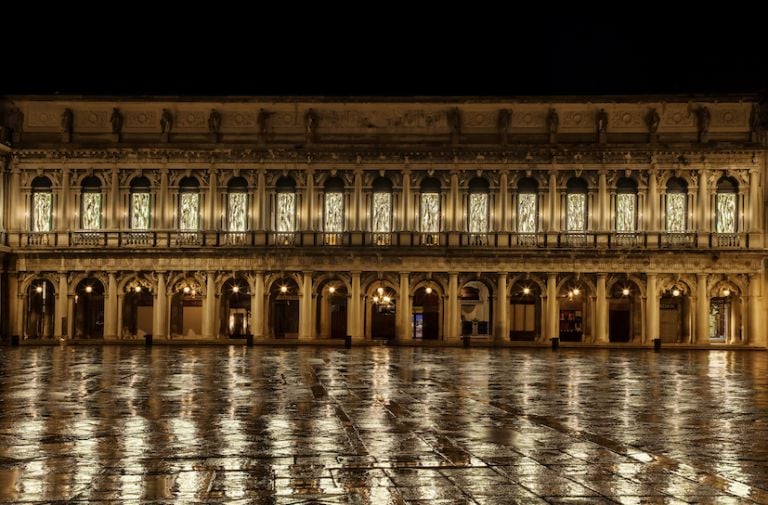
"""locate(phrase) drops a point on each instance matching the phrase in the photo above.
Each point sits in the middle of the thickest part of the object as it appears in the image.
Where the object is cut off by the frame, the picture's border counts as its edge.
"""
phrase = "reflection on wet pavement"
(382, 425)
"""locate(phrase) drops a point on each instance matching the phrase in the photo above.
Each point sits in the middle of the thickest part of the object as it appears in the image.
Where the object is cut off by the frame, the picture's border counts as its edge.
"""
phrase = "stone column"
(262, 214)
(756, 334)
(553, 316)
(651, 309)
(702, 310)
(305, 309)
(453, 211)
(309, 201)
(355, 310)
(601, 329)
(502, 224)
(212, 223)
(652, 203)
(405, 224)
(62, 225)
(454, 328)
(160, 308)
(554, 203)
(502, 308)
(120, 297)
(602, 199)
(755, 209)
(60, 311)
(209, 308)
(257, 306)
(163, 200)
(403, 308)
(110, 313)
(114, 218)
(14, 219)
(359, 209)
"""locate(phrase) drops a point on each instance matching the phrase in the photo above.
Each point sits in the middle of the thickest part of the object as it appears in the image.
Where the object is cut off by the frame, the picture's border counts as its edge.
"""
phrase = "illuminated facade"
(507, 220)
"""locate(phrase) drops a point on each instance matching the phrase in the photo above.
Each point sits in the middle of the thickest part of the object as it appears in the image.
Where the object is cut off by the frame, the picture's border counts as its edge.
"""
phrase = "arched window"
(285, 214)
(527, 208)
(430, 205)
(478, 205)
(334, 205)
(189, 204)
(382, 206)
(237, 204)
(677, 205)
(725, 200)
(90, 203)
(576, 201)
(140, 203)
(626, 205)
(42, 205)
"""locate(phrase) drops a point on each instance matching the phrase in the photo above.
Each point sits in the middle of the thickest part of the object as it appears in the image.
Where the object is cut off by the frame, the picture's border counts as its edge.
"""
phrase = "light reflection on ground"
(382, 425)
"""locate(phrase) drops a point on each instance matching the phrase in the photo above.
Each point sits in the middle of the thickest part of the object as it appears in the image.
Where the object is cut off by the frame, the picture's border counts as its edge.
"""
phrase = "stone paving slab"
(230, 424)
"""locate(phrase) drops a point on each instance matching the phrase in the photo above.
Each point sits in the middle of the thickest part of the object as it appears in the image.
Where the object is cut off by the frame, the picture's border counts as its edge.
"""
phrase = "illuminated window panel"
(576, 212)
(237, 211)
(626, 212)
(478, 213)
(189, 209)
(91, 211)
(334, 212)
(139, 211)
(382, 212)
(286, 212)
(676, 209)
(726, 213)
(430, 212)
(526, 213)
(41, 213)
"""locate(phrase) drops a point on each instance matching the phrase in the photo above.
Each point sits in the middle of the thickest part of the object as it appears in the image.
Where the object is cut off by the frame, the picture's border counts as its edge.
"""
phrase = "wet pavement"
(382, 425)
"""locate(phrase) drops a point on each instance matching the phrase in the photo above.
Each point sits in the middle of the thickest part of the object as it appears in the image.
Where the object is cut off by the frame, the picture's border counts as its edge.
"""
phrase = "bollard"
(466, 340)
(555, 343)
(15, 340)
(348, 342)
(148, 339)
(657, 345)
(249, 340)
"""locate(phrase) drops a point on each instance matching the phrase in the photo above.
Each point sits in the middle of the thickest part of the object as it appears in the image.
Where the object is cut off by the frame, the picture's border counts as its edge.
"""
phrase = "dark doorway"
(383, 321)
(89, 309)
(338, 316)
(426, 314)
(619, 325)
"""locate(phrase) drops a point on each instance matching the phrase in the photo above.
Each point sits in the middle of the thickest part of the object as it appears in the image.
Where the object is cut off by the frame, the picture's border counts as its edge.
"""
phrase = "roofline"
(457, 99)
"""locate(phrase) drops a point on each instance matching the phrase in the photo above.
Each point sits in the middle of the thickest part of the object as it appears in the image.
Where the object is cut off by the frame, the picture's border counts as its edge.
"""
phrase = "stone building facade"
(591, 220)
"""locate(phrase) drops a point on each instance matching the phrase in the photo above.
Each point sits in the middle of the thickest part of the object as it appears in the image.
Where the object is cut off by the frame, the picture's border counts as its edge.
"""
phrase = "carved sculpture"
(117, 120)
(214, 121)
(166, 121)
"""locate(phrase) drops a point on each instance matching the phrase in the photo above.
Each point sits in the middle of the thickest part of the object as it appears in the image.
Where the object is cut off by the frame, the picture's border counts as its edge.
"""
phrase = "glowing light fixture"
(675, 292)
(137, 289)
(88, 289)
(332, 289)
(576, 291)
(39, 289)
(283, 289)
(625, 291)
(526, 290)
(186, 289)
(428, 290)
(235, 288)
(726, 292)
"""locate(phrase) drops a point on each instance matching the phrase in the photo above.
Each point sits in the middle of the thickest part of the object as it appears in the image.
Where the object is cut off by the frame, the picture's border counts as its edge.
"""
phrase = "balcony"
(678, 240)
(577, 239)
(188, 239)
(625, 240)
(283, 238)
(724, 240)
(88, 238)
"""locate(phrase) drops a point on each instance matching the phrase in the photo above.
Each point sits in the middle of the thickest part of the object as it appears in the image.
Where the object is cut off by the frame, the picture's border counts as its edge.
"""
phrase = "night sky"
(553, 55)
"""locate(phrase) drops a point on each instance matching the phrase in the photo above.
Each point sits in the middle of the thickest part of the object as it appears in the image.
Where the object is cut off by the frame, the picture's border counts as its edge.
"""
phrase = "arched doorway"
(40, 309)
(235, 308)
(725, 312)
(187, 309)
(675, 313)
(476, 309)
(383, 321)
(89, 309)
(624, 312)
(284, 308)
(137, 308)
(574, 301)
(524, 311)
(331, 310)
(426, 314)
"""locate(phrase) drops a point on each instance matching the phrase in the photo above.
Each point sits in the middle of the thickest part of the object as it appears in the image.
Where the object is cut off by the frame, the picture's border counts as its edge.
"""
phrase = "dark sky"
(557, 54)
